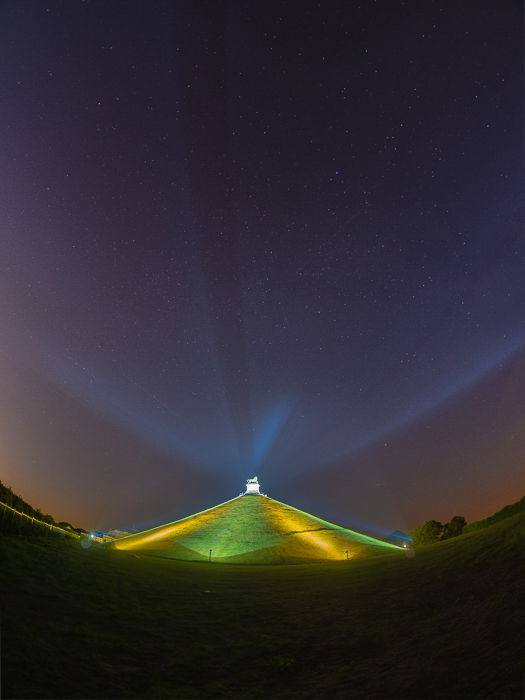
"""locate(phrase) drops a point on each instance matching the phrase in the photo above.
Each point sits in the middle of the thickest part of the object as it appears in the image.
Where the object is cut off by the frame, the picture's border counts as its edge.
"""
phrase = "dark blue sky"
(273, 238)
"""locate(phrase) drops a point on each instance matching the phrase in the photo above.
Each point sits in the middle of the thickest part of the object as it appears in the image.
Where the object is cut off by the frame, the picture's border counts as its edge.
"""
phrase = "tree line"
(12, 500)
(506, 512)
(434, 531)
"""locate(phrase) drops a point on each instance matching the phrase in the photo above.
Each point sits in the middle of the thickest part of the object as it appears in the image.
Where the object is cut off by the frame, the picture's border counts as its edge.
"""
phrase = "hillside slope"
(505, 512)
(254, 529)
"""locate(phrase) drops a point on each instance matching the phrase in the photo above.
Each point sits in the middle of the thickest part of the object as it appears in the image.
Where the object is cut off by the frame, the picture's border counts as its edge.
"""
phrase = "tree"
(428, 533)
(454, 527)
(65, 524)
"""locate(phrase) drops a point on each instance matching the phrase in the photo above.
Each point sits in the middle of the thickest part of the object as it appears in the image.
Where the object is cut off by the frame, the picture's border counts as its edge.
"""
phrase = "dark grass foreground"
(98, 623)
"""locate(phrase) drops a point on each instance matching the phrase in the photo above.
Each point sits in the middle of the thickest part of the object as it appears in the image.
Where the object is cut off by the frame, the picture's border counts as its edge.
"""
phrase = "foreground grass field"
(98, 623)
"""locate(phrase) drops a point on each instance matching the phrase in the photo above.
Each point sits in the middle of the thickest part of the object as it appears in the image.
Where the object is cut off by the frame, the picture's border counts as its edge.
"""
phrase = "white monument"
(252, 486)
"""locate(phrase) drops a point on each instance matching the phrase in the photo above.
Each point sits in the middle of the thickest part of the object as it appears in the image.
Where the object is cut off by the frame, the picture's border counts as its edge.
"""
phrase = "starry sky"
(282, 239)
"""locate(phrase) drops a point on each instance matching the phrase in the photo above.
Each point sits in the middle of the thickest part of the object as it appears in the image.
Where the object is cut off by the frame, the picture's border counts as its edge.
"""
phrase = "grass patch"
(100, 623)
(506, 512)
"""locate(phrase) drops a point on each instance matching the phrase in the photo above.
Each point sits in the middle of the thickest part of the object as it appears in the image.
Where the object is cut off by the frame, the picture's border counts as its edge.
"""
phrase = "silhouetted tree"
(454, 527)
(426, 534)
(65, 524)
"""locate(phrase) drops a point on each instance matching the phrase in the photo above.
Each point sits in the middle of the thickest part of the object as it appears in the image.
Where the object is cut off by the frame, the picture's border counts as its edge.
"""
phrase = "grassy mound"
(18, 517)
(254, 529)
(506, 512)
(100, 623)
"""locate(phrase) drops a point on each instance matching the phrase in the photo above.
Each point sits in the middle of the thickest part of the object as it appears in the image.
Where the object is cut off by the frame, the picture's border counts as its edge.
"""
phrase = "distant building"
(117, 534)
(252, 486)
(99, 537)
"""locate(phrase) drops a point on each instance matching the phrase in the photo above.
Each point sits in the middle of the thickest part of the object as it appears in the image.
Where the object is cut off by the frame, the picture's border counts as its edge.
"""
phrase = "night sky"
(272, 238)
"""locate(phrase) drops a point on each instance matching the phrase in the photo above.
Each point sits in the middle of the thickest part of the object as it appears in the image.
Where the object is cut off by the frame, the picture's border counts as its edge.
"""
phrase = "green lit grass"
(254, 530)
(100, 623)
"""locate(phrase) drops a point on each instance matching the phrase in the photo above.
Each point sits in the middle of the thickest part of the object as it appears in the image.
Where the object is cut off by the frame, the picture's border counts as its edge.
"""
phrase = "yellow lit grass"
(254, 529)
